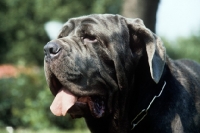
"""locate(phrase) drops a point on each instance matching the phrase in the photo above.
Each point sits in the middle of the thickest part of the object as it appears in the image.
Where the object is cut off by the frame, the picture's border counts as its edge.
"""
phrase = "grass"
(46, 131)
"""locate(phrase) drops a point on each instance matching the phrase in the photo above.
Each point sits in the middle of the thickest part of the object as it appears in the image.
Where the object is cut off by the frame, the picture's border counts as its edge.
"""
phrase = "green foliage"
(25, 102)
(49, 130)
(22, 34)
(184, 47)
(23, 97)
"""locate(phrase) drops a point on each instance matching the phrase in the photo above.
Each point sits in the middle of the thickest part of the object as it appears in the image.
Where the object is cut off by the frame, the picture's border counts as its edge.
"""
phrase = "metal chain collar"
(144, 112)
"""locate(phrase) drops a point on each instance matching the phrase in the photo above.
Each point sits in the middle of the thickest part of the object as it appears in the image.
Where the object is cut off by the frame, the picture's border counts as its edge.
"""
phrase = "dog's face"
(93, 57)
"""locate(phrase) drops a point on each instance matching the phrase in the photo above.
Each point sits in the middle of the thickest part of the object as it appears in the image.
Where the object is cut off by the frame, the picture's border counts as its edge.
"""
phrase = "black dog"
(115, 73)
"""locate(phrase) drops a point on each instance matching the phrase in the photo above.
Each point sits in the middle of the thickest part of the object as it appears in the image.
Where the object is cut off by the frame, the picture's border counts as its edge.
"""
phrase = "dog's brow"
(88, 20)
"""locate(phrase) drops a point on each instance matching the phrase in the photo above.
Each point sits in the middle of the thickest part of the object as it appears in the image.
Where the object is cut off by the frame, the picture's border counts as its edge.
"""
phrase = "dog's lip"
(85, 105)
(55, 85)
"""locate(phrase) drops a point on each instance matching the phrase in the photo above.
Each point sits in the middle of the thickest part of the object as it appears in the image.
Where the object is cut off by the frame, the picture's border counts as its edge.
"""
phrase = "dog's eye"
(89, 38)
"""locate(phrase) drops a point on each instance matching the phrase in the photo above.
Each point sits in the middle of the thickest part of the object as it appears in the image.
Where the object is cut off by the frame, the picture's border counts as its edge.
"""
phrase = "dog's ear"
(155, 50)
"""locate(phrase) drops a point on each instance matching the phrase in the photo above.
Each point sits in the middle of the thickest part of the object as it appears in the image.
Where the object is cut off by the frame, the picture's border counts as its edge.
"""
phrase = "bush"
(25, 101)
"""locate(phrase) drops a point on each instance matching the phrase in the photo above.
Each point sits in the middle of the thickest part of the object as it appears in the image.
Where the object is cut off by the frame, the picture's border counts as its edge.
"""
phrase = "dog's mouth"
(75, 105)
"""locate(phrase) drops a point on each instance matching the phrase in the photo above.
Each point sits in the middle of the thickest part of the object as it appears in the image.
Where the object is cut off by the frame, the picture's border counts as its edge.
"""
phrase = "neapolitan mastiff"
(115, 73)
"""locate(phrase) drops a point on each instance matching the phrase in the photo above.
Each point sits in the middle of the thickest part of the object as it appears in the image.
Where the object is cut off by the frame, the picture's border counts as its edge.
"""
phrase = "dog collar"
(144, 112)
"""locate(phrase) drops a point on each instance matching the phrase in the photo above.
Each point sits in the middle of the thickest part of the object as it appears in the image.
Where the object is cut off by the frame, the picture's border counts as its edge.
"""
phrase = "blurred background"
(26, 26)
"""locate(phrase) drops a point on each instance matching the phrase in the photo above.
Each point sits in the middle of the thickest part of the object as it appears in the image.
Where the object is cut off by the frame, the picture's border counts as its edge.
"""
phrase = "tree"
(144, 9)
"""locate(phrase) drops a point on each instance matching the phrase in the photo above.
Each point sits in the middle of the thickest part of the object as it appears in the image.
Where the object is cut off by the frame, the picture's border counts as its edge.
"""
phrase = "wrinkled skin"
(114, 66)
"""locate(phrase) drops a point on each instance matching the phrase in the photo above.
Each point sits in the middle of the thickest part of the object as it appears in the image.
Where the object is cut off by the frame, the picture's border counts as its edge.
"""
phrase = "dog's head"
(95, 56)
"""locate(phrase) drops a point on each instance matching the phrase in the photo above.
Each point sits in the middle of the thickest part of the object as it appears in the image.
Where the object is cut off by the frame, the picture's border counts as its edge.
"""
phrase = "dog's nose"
(51, 49)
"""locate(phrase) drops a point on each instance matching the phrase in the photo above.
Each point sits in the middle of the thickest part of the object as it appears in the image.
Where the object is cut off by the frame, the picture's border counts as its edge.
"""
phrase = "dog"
(115, 72)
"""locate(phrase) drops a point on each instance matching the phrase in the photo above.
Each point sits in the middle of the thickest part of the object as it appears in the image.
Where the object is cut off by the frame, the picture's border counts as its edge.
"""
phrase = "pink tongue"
(62, 102)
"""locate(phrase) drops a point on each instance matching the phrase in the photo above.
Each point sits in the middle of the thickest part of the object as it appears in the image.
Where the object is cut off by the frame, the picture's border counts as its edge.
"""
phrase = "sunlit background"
(26, 26)
(177, 18)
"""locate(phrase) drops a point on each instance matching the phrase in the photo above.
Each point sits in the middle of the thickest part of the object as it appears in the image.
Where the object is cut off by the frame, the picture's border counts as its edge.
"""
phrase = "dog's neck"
(143, 91)
(128, 103)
